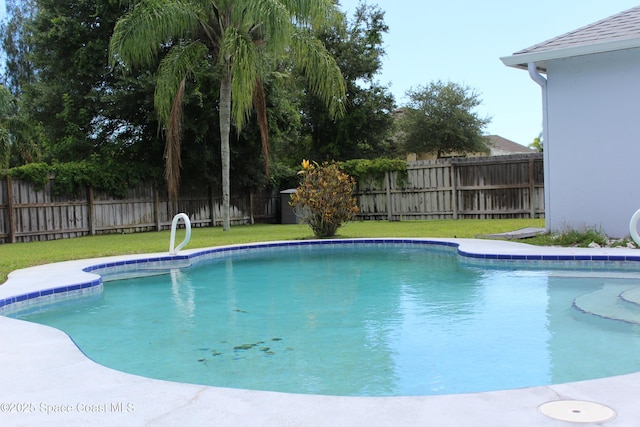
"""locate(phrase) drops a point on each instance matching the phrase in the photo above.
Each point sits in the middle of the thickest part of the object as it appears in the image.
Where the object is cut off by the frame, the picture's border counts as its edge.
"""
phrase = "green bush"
(324, 198)
(375, 168)
(571, 238)
(36, 173)
(110, 176)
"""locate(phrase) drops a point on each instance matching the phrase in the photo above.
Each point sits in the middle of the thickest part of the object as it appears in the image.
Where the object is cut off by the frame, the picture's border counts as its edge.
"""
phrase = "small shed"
(590, 80)
(287, 214)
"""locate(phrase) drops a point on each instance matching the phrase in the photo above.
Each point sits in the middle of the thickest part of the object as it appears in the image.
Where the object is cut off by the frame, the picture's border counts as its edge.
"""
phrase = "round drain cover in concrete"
(577, 411)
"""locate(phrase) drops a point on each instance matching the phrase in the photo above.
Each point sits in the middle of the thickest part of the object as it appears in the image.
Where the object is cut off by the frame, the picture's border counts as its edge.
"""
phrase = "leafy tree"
(18, 139)
(234, 39)
(537, 144)
(68, 51)
(364, 130)
(6, 108)
(59, 51)
(15, 44)
(439, 119)
(76, 108)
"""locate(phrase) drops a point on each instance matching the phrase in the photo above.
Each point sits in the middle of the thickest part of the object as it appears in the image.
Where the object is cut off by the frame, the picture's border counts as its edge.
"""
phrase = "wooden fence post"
(532, 190)
(92, 211)
(454, 190)
(212, 207)
(251, 207)
(156, 206)
(12, 229)
(387, 178)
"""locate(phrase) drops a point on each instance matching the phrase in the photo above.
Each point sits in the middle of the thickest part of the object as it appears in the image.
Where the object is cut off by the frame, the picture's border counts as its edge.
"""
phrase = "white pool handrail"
(174, 224)
(633, 227)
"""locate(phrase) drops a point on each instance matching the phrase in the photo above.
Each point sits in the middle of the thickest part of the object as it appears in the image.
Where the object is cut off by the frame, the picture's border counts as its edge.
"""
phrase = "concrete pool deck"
(45, 380)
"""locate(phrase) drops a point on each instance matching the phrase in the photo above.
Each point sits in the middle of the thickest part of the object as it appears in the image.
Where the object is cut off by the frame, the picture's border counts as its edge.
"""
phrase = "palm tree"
(230, 38)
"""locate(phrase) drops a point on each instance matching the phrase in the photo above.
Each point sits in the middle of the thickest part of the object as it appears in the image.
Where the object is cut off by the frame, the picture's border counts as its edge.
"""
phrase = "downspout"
(537, 77)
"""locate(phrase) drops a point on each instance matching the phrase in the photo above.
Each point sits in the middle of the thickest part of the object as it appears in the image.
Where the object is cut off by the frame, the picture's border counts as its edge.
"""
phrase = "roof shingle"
(620, 31)
(624, 25)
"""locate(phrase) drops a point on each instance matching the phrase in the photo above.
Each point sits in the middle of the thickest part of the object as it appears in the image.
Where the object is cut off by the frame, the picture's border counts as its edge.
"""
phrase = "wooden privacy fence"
(479, 187)
(491, 187)
(30, 215)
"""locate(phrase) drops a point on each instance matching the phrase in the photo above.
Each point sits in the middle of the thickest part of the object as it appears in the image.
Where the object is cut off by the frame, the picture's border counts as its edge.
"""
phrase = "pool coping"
(46, 380)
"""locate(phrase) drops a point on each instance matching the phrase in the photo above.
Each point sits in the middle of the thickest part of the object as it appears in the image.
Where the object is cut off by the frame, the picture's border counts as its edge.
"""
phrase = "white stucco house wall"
(590, 80)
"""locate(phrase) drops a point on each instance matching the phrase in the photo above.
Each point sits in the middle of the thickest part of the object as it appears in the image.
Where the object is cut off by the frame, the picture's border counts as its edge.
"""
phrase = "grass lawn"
(20, 255)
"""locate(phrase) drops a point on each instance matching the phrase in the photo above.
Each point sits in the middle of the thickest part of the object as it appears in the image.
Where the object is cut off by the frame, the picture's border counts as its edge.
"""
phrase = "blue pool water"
(366, 320)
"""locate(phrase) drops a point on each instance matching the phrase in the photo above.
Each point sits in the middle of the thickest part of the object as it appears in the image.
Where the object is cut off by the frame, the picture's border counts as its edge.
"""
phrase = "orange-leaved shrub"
(324, 198)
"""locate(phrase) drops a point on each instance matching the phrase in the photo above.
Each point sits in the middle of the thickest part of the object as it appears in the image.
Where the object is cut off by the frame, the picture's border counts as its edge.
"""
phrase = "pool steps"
(141, 270)
(631, 295)
(615, 302)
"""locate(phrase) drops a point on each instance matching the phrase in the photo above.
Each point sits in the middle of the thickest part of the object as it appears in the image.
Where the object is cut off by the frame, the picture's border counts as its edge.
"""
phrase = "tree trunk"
(225, 129)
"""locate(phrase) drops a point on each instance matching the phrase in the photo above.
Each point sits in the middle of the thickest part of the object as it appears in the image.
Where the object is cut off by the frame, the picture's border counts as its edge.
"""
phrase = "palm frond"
(260, 104)
(269, 22)
(25, 143)
(176, 66)
(241, 55)
(180, 61)
(313, 13)
(7, 102)
(20, 140)
(172, 156)
(323, 74)
(140, 34)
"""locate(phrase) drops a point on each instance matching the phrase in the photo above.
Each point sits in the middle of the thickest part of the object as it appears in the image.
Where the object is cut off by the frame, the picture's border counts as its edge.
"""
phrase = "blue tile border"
(601, 262)
(4, 303)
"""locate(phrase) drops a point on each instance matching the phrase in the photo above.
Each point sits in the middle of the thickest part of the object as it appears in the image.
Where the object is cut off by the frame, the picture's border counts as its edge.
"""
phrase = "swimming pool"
(367, 319)
(43, 365)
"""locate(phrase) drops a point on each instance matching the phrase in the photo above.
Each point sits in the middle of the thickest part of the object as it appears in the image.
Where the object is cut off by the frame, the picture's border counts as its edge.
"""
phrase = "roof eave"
(540, 58)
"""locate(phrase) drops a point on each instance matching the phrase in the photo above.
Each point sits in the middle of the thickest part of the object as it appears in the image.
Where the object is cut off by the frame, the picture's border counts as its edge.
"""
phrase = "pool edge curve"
(47, 380)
